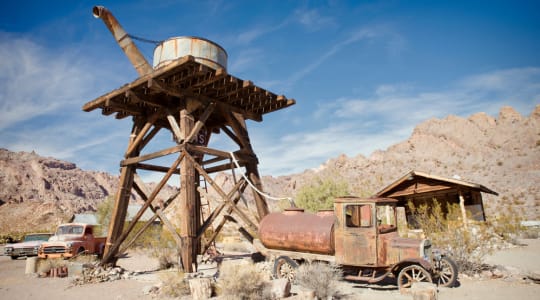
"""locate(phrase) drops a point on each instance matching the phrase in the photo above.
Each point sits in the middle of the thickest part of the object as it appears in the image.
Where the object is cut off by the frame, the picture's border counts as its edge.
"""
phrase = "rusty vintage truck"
(70, 240)
(360, 235)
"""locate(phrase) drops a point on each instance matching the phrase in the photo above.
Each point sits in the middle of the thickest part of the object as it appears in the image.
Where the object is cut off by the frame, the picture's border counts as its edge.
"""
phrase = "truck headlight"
(8, 250)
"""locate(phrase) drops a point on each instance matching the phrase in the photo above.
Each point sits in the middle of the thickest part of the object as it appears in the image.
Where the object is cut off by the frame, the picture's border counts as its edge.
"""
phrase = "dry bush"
(45, 265)
(174, 284)
(468, 247)
(241, 281)
(507, 224)
(167, 258)
(319, 277)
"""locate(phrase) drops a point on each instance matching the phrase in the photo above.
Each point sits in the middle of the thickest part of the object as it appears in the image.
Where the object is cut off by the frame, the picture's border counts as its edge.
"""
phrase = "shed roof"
(90, 219)
(397, 188)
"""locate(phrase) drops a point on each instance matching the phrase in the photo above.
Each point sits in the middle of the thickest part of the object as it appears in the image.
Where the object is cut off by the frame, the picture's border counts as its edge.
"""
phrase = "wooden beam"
(155, 168)
(200, 122)
(140, 187)
(175, 128)
(222, 194)
(147, 203)
(138, 159)
(136, 142)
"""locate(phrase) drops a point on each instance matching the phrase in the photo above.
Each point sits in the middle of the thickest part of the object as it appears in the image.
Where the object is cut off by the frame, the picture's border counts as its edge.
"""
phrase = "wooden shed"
(422, 188)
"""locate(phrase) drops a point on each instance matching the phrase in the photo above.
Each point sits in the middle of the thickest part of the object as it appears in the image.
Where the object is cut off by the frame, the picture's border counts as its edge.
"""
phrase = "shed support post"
(462, 207)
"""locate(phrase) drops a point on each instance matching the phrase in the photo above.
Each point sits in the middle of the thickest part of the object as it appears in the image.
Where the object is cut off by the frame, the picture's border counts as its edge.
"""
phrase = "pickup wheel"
(80, 251)
(446, 272)
(285, 267)
(410, 274)
(14, 257)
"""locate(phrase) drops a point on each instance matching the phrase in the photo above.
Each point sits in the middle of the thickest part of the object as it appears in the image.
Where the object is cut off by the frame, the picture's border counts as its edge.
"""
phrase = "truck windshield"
(69, 230)
(36, 237)
(386, 215)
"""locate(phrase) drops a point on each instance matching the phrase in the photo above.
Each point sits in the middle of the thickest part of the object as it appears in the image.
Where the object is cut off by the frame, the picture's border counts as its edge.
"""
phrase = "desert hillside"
(502, 153)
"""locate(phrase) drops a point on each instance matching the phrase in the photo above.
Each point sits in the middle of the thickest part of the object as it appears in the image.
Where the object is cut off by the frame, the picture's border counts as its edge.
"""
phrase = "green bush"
(320, 194)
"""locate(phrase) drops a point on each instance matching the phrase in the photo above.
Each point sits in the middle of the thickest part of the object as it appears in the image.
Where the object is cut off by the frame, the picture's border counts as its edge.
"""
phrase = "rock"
(149, 289)
(534, 276)
(304, 295)
(423, 291)
(280, 288)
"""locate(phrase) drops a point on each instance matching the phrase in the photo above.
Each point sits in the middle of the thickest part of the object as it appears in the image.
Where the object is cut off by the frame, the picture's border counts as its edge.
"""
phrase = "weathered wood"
(115, 247)
(188, 221)
(143, 192)
(138, 159)
(136, 142)
(201, 288)
(223, 195)
(174, 127)
(148, 167)
(202, 119)
(238, 187)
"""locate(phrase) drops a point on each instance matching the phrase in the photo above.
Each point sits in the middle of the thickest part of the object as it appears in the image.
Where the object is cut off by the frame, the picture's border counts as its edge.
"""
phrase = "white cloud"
(361, 126)
(313, 20)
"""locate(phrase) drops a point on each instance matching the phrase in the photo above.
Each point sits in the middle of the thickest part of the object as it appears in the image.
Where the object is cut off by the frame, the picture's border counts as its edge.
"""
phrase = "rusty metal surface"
(298, 231)
(204, 51)
(123, 40)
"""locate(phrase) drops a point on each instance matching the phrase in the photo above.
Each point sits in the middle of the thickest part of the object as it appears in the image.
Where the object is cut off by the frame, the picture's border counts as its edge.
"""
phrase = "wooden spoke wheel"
(285, 267)
(446, 272)
(413, 273)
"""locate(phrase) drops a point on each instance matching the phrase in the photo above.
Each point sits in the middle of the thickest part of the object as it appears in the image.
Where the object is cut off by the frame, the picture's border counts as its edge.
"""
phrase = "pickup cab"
(28, 247)
(70, 240)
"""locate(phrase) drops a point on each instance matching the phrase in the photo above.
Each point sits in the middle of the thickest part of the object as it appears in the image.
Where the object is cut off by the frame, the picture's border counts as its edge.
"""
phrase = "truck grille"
(24, 252)
(56, 249)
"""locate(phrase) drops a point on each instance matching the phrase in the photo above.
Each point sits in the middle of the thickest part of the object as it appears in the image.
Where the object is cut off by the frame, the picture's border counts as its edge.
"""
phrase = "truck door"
(355, 241)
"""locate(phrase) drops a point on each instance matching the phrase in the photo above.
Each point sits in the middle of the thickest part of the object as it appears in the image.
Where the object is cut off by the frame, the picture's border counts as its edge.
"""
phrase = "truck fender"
(412, 261)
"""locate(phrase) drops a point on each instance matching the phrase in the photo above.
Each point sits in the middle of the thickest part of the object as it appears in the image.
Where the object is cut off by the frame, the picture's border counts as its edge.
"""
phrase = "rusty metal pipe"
(124, 41)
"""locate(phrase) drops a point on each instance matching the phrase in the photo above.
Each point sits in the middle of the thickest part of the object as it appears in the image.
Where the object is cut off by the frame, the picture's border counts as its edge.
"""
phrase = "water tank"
(298, 231)
(204, 51)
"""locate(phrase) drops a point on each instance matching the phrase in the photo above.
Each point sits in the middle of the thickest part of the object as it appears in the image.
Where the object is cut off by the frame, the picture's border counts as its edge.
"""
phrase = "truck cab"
(366, 235)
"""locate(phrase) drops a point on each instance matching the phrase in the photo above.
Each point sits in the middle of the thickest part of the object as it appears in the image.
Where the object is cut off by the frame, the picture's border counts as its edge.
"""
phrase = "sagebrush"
(174, 285)
(469, 243)
(319, 277)
(241, 281)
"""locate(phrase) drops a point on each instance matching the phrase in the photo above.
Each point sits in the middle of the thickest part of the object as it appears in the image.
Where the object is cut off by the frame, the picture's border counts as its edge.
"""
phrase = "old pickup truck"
(70, 240)
(28, 247)
(360, 235)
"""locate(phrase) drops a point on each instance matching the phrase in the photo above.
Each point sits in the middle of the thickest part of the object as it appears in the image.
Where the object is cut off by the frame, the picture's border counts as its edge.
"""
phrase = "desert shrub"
(319, 277)
(507, 224)
(167, 257)
(320, 194)
(241, 281)
(174, 285)
(468, 246)
(45, 265)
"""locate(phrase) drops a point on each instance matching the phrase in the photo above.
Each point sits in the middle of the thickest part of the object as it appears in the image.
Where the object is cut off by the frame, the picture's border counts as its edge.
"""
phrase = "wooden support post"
(188, 209)
(238, 124)
(121, 202)
(462, 207)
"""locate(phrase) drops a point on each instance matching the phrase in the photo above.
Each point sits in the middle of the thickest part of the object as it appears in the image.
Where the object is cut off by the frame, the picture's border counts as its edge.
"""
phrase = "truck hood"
(64, 237)
(30, 244)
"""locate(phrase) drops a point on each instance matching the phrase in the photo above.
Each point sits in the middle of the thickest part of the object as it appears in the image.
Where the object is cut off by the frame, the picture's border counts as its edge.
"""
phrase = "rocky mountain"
(40, 192)
(502, 153)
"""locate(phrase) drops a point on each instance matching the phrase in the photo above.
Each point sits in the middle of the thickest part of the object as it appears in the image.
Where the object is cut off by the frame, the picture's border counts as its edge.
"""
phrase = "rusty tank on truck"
(360, 235)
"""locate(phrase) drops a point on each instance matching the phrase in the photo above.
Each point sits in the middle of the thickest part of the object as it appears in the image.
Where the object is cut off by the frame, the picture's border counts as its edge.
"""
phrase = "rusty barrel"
(295, 230)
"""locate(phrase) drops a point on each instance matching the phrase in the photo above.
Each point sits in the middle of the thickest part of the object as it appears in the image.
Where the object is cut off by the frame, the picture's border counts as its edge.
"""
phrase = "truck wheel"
(285, 267)
(80, 251)
(14, 257)
(410, 274)
(446, 272)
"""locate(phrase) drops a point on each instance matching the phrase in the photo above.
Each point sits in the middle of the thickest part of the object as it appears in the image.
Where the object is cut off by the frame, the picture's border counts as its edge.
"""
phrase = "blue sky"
(363, 73)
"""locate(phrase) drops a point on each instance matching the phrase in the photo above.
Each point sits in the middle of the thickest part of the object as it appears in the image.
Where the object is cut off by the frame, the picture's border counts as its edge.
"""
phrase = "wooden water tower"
(189, 93)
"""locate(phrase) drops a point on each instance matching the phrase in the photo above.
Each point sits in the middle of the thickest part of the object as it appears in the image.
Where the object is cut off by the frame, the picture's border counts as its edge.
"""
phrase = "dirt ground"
(14, 284)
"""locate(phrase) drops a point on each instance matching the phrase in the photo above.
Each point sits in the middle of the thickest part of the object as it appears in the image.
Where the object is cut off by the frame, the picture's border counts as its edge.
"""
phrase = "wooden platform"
(186, 78)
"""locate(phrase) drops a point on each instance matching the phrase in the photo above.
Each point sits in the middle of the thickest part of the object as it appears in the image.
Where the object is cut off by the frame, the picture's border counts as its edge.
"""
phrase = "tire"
(285, 267)
(410, 274)
(446, 272)
(14, 257)
(80, 251)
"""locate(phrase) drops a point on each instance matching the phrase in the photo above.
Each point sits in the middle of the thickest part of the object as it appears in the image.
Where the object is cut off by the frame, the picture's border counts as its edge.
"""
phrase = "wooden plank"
(222, 194)
(136, 142)
(200, 122)
(174, 126)
(155, 168)
(116, 246)
(138, 159)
